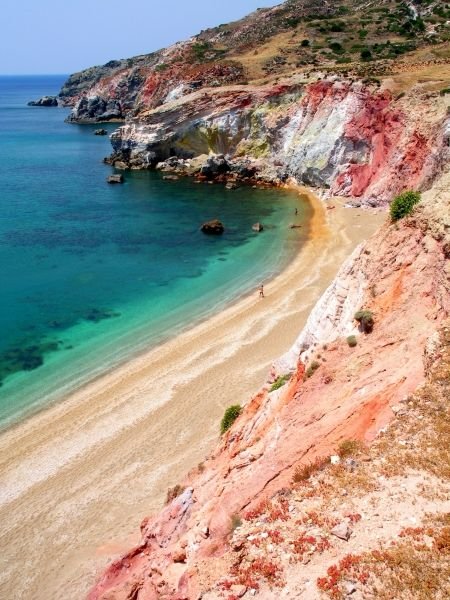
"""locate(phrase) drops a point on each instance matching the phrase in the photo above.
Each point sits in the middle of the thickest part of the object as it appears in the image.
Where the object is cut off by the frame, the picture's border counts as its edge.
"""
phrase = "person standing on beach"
(261, 291)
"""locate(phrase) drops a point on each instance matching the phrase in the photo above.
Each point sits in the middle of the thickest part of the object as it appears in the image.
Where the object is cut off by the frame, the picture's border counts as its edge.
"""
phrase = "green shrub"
(352, 341)
(403, 205)
(280, 382)
(365, 320)
(312, 369)
(445, 91)
(230, 416)
(336, 47)
(366, 54)
(305, 43)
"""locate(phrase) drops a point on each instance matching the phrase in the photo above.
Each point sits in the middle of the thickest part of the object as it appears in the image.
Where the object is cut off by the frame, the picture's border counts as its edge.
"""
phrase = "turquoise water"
(91, 274)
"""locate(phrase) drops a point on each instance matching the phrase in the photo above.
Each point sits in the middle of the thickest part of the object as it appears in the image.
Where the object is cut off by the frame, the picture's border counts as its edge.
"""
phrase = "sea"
(93, 274)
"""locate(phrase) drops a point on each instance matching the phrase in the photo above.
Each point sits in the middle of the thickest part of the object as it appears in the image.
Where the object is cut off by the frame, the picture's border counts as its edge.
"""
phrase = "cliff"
(346, 97)
(348, 138)
(265, 503)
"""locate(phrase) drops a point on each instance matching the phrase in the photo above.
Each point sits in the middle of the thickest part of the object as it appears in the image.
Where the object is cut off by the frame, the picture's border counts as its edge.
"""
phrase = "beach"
(78, 478)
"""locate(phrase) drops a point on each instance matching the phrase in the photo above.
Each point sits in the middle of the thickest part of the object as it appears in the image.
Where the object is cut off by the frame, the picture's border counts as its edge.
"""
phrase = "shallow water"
(90, 273)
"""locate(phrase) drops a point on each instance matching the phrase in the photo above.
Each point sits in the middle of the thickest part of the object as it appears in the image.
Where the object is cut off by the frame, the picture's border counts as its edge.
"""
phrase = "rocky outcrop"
(96, 109)
(344, 137)
(351, 393)
(44, 101)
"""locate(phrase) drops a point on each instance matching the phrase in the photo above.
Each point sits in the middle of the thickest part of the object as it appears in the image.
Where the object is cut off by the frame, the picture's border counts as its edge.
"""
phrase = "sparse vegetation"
(365, 320)
(174, 492)
(304, 472)
(312, 369)
(349, 448)
(403, 205)
(280, 382)
(230, 416)
(235, 522)
(352, 341)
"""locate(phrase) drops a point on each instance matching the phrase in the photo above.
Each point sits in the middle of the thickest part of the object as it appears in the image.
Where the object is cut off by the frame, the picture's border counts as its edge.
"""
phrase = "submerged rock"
(258, 227)
(44, 101)
(100, 132)
(115, 178)
(214, 227)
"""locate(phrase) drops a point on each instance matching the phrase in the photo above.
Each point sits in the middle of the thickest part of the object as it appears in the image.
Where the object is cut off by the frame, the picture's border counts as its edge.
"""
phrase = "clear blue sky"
(63, 36)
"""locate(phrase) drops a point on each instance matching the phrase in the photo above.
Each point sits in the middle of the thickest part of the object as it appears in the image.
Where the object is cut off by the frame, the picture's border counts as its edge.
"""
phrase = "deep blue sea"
(90, 273)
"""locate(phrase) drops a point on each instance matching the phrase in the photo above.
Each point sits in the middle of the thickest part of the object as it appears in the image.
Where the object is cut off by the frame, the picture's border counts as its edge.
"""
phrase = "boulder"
(214, 166)
(231, 186)
(214, 227)
(100, 132)
(115, 178)
(342, 531)
(258, 227)
(171, 177)
(44, 101)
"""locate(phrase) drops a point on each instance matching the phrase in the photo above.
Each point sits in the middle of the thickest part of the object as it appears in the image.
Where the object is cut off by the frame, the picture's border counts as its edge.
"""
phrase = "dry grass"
(304, 472)
(415, 568)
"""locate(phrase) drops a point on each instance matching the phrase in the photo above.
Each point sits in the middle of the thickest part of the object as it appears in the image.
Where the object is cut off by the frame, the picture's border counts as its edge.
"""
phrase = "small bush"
(174, 492)
(403, 205)
(230, 416)
(305, 43)
(349, 448)
(235, 522)
(365, 320)
(312, 369)
(366, 54)
(445, 91)
(280, 382)
(352, 341)
(304, 472)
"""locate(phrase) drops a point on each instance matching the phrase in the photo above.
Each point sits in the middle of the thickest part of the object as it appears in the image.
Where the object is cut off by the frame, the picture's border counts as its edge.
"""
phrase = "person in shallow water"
(261, 291)
(296, 211)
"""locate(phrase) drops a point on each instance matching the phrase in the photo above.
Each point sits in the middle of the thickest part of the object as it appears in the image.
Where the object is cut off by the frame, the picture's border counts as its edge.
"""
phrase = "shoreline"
(70, 388)
(91, 467)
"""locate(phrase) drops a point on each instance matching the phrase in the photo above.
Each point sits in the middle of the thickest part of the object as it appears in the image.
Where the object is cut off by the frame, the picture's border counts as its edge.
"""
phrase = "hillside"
(269, 512)
(333, 480)
(354, 37)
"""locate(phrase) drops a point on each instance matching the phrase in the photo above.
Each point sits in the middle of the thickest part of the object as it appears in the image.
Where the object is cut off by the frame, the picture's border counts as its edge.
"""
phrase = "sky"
(59, 36)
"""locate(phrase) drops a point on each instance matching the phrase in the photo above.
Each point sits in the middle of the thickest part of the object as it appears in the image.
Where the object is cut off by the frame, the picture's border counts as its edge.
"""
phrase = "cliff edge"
(269, 508)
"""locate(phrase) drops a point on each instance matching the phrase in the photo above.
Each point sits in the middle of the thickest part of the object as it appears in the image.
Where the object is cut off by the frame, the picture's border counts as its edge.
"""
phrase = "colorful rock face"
(338, 136)
(348, 397)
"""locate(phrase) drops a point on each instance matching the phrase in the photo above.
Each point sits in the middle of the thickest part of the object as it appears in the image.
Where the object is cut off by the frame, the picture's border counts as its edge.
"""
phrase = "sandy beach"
(77, 479)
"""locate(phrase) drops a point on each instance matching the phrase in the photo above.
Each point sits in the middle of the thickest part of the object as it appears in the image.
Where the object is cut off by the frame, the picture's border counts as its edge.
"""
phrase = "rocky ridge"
(264, 511)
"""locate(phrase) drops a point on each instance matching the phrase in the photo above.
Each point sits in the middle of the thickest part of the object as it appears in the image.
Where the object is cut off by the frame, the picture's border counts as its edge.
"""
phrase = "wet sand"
(77, 479)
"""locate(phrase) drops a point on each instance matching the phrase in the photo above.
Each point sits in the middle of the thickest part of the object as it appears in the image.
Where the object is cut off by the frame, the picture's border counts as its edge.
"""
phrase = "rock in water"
(214, 227)
(258, 227)
(44, 101)
(115, 179)
(100, 132)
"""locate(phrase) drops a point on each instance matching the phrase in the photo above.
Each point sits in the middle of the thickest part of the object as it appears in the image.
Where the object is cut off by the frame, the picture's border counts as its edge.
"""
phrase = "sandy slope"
(76, 479)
